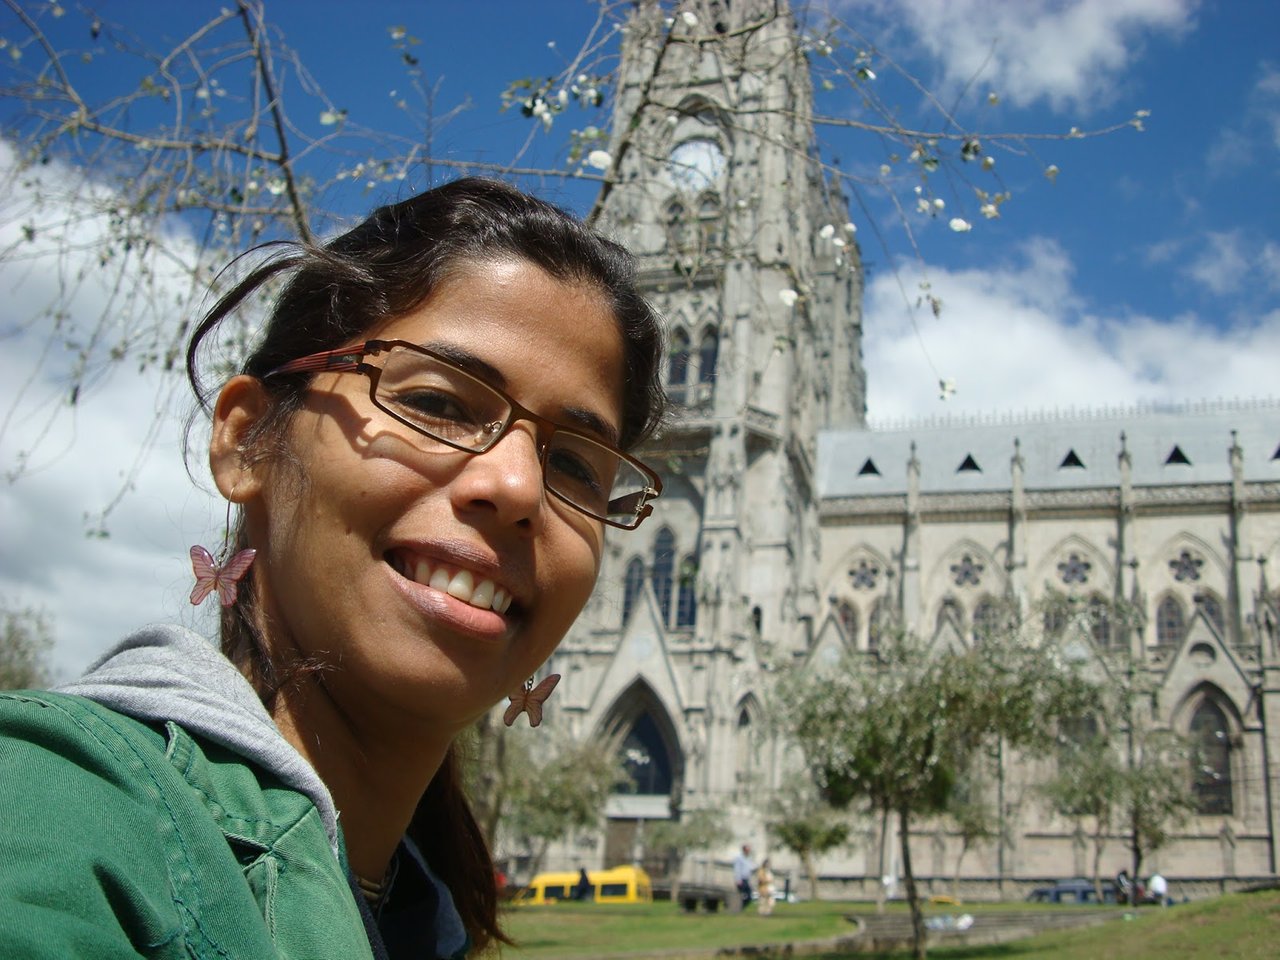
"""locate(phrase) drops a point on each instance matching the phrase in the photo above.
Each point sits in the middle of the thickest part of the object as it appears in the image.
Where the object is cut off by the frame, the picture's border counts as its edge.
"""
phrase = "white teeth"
(462, 586)
(485, 595)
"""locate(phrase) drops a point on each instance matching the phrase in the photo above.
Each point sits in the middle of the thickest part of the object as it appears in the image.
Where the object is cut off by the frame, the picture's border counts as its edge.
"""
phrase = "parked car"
(1077, 890)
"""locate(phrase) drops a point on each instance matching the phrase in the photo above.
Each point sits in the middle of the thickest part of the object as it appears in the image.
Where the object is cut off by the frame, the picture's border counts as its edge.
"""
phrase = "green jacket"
(118, 839)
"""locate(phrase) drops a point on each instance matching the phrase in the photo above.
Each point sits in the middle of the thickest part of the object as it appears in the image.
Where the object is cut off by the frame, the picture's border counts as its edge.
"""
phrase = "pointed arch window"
(664, 561)
(708, 354)
(1211, 606)
(745, 748)
(879, 623)
(1171, 623)
(1211, 773)
(632, 584)
(985, 619)
(677, 227)
(709, 221)
(848, 615)
(1100, 622)
(687, 599)
(678, 366)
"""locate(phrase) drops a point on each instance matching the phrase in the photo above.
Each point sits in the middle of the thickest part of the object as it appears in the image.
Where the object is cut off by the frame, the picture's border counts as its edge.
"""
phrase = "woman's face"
(353, 535)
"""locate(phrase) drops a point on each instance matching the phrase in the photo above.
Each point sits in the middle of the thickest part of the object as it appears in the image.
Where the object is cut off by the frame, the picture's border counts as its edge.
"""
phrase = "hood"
(165, 672)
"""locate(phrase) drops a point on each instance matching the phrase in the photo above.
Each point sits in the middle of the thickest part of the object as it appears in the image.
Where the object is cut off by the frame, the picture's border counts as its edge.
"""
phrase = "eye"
(432, 405)
(570, 467)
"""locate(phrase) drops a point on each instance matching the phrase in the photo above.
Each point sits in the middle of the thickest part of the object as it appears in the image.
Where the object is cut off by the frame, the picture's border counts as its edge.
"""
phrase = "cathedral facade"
(789, 533)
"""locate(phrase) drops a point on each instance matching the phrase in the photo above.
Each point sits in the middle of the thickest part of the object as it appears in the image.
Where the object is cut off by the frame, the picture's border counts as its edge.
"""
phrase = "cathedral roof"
(1166, 445)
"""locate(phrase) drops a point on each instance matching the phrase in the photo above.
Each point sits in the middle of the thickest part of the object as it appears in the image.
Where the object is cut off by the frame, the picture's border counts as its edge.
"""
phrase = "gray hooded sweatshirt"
(166, 672)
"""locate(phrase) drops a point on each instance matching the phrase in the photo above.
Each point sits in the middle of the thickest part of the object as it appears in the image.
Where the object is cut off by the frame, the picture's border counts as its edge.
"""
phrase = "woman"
(424, 449)
(764, 889)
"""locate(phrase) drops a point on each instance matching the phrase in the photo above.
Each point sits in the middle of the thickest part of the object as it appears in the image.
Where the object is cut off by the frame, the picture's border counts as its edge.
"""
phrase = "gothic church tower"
(744, 246)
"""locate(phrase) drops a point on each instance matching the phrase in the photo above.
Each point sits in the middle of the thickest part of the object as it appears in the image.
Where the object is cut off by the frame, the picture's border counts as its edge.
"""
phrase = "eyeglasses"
(433, 396)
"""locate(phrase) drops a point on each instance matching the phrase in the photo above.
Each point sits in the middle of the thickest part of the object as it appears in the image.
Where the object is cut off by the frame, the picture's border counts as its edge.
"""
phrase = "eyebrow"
(579, 417)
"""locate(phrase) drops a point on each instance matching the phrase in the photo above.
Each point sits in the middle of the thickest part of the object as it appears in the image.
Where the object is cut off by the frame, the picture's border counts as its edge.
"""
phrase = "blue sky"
(1148, 271)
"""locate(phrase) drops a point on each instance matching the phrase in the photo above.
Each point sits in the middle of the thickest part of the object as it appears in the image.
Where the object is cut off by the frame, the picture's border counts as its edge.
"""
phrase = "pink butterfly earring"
(529, 699)
(221, 575)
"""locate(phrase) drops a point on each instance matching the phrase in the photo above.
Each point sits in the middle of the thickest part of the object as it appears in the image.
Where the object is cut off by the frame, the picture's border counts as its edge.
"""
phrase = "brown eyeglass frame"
(352, 360)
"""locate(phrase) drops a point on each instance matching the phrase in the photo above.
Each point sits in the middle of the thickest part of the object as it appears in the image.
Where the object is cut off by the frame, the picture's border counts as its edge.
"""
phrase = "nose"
(505, 480)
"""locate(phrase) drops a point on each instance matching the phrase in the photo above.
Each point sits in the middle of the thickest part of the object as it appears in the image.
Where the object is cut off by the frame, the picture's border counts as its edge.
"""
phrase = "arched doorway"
(648, 749)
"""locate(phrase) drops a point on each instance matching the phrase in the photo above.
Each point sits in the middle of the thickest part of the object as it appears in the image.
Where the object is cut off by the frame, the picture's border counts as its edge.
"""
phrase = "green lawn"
(1241, 927)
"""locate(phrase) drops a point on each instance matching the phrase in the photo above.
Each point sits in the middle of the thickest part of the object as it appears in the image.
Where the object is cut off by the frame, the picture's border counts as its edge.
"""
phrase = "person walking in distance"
(743, 868)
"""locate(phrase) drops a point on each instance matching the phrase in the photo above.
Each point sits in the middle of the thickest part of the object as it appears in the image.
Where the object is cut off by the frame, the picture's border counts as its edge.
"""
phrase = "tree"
(551, 790)
(141, 171)
(1116, 768)
(25, 640)
(694, 830)
(1089, 788)
(972, 817)
(1157, 795)
(808, 828)
(899, 732)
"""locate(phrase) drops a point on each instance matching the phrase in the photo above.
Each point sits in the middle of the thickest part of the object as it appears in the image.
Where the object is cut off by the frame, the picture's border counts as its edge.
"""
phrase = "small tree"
(1089, 788)
(808, 828)
(972, 817)
(550, 793)
(695, 830)
(1157, 793)
(25, 641)
(901, 729)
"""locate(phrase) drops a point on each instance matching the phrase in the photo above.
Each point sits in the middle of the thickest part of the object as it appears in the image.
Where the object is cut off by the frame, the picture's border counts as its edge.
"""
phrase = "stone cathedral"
(790, 532)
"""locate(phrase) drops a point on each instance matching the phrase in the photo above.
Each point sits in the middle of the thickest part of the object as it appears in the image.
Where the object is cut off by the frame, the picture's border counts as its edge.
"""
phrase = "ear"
(242, 403)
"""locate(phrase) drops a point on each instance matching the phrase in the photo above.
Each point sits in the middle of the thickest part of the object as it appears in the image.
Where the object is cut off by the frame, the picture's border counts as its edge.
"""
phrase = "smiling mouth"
(461, 584)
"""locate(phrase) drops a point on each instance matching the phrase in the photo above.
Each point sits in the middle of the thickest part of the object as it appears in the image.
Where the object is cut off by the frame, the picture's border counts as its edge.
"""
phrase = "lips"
(471, 588)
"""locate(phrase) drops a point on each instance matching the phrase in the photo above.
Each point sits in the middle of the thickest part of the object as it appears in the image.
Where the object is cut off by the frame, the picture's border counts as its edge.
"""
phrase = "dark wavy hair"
(378, 271)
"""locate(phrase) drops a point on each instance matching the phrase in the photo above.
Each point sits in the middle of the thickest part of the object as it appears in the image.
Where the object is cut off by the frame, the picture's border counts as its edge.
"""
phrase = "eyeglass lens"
(449, 404)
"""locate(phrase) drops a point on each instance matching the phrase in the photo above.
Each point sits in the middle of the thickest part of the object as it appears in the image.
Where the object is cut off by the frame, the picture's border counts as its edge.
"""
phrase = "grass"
(1240, 927)
(598, 930)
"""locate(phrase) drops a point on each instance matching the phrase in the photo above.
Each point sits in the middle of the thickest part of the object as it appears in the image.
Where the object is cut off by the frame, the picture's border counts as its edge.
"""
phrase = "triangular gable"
(829, 646)
(641, 652)
(1205, 657)
(947, 638)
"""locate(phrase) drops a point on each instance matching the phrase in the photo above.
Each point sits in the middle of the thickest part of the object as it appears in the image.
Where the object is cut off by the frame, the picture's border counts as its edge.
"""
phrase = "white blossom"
(946, 388)
(328, 118)
(885, 170)
(599, 159)
(960, 225)
(562, 98)
(827, 231)
(850, 227)
(788, 297)
(989, 210)
(690, 19)
(939, 203)
(922, 205)
(988, 162)
(1051, 172)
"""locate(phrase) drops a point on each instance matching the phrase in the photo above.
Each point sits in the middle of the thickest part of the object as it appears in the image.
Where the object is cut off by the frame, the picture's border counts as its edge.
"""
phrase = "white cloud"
(1018, 338)
(1233, 263)
(124, 434)
(1069, 54)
